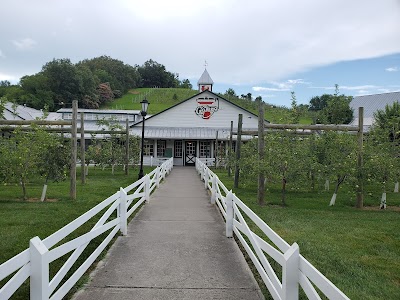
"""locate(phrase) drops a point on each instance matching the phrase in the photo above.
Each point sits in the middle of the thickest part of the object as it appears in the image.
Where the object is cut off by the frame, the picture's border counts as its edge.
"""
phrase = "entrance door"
(190, 153)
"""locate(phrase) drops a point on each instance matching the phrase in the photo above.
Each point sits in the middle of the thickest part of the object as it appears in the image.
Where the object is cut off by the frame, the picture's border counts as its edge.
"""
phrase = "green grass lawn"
(22, 220)
(160, 99)
(358, 250)
(163, 98)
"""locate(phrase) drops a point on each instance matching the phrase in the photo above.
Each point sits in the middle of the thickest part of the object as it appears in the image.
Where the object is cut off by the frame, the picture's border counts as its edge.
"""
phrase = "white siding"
(183, 115)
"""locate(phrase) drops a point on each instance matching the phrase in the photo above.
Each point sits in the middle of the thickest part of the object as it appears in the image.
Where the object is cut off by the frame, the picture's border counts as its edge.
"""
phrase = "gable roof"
(206, 91)
(205, 78)
(371, 104)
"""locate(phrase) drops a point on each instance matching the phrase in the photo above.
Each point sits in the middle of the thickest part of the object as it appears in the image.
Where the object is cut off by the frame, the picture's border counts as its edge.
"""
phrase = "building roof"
(190, 98)
(371, 104)
(205, 78)
(177, 133)
(20, 112)
(101, 111)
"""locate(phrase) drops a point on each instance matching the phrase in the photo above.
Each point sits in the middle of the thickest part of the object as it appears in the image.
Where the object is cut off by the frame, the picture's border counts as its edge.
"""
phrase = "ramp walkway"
(175, 249)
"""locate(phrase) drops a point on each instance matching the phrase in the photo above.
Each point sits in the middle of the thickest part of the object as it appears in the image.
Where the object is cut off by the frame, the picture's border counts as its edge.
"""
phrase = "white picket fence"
(295, 268)
(34, 262)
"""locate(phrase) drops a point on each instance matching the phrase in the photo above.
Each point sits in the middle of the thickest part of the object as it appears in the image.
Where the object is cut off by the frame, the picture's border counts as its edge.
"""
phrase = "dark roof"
(205, 78)
(206, 91)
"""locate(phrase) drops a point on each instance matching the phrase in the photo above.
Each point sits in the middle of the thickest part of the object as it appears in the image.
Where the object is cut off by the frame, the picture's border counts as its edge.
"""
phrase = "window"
(161, 145)
(204, 148)
(148, 148)
(178, 149)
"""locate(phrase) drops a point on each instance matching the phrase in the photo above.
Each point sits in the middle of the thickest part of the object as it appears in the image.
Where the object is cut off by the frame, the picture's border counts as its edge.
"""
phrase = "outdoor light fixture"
(145, 105)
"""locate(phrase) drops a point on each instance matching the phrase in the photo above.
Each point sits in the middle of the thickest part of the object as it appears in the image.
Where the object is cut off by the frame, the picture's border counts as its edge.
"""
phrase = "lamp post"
(145, 105)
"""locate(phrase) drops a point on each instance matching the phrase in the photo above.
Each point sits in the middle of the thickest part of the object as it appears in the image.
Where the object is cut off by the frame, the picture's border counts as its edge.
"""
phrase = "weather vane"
(205, 64)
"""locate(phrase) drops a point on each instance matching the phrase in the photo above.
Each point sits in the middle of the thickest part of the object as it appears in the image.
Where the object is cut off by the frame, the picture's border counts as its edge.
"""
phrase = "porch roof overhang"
(177, 133)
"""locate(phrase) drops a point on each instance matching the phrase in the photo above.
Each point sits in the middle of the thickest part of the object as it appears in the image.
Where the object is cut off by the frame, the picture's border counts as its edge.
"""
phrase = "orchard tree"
(287, 159)
(339, 158)
(54, 161)
(21, 155)
(380, 164)
(294, 112)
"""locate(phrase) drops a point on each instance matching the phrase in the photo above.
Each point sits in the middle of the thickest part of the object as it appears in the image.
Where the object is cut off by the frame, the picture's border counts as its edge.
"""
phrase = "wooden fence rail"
(296, 270)
(34, 262)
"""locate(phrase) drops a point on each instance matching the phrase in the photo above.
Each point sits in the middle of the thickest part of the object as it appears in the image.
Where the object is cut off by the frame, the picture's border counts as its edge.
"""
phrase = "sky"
(268, 48)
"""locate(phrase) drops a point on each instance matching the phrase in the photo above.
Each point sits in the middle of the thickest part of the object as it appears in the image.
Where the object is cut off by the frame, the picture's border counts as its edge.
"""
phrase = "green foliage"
(110, 151)
(185, 84)
(154, 74)
(295, 112)
(26, 155)
(332, 109)
(388, 120)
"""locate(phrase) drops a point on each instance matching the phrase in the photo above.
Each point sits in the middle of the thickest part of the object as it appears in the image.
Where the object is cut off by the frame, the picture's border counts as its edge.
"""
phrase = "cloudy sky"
(265, 47)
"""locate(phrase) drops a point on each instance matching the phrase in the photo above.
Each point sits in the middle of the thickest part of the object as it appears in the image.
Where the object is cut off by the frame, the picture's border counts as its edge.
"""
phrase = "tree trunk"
(44, 191)
(396, 187)
(383, 201)
(284, 191)
(327, 185)
(23, 189)
(339, 181)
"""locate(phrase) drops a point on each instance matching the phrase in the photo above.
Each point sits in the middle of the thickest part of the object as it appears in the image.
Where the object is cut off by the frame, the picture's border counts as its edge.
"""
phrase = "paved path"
(175, 249)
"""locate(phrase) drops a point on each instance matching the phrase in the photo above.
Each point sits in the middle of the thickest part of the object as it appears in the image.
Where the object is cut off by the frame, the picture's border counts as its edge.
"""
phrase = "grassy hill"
(163, 98)
(160, 99)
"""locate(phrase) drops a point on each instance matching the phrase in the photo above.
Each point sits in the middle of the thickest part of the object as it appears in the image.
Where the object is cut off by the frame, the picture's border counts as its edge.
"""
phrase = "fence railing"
(34, 262)
(296, 270)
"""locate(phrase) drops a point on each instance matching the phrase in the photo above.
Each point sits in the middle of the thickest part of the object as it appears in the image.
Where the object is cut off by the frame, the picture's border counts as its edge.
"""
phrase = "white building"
(190, 128)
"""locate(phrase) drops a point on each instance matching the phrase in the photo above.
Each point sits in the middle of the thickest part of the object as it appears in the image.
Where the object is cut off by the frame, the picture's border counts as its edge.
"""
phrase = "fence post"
(122, 211)
(39, 278)
(229, 214)
(205, 177)
(158, 176)
(290, 273)
(147, 188)
(213, 189)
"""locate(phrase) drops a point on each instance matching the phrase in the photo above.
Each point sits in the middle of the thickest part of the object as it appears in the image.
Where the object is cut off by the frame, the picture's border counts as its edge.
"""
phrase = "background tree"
(185, 84)
(332, 109)
(294, 112)
(388, 120)
(154, 74)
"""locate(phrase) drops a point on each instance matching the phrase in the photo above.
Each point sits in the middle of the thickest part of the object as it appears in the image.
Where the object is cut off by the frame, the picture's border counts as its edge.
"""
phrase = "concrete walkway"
(175, 249)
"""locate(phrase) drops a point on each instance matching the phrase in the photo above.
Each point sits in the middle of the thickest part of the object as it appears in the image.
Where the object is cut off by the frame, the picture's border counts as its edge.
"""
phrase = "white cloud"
(392, 69)
(7, 77)
(24, 44)
(268, 89)
(346, 87)
(285, 86)
(2, 54)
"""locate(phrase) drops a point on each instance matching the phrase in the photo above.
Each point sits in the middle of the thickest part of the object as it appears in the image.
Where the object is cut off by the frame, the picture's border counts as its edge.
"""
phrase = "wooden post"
(230, 150)
(127, 148)
(83, 163)
(238, 142)
(261, 175)
(216, 150)
(360, 162)
(72, 191)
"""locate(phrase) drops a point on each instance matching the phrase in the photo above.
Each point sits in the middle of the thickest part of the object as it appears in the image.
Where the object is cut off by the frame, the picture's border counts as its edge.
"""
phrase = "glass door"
(190, 153)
